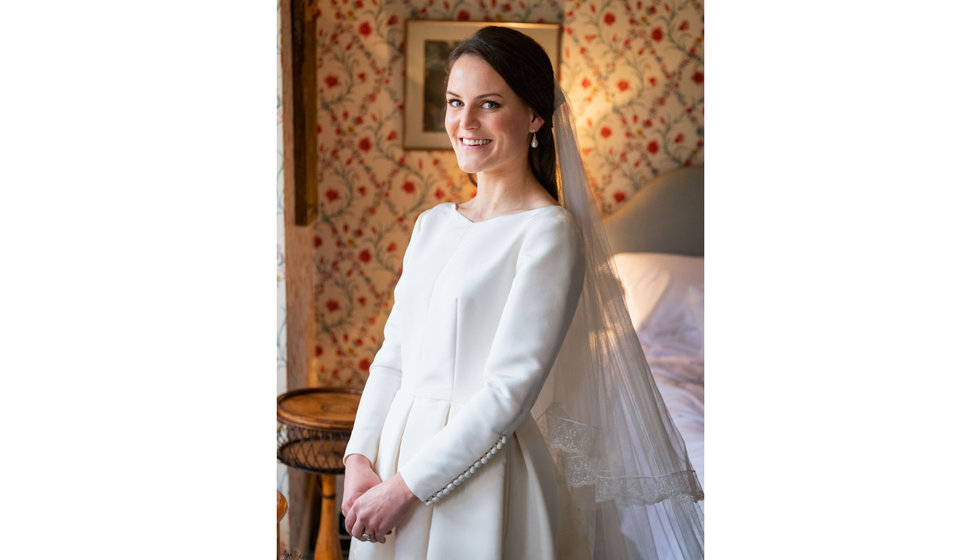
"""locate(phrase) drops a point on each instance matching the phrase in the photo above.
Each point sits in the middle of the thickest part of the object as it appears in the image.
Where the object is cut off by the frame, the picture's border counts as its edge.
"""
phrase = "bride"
(446, 460)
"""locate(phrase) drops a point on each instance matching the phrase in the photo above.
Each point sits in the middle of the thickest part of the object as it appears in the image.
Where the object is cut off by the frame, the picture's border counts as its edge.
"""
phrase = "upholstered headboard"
(665, 216)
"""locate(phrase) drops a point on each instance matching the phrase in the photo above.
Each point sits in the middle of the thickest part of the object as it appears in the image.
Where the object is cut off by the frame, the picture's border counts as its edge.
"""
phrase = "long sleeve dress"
(479, 315)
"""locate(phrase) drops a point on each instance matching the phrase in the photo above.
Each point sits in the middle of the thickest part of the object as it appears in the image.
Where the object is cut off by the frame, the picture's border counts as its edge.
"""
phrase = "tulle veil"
(623, 464)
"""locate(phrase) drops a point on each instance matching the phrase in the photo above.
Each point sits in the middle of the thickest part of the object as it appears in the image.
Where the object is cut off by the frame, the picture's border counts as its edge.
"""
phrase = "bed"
(657, 238)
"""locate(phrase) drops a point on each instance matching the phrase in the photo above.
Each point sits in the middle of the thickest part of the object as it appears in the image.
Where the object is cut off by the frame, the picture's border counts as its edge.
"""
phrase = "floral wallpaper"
(634, 74)
(633, 71)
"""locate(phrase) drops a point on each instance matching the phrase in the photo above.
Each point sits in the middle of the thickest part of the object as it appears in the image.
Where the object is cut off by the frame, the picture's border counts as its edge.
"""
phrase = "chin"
(468, 166)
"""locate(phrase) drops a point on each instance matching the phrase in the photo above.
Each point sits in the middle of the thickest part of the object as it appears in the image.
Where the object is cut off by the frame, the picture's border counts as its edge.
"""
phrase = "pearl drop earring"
(534, 139)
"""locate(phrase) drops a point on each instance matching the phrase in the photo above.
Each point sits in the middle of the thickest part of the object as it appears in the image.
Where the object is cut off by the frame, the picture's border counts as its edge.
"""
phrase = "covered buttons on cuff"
(433, 499)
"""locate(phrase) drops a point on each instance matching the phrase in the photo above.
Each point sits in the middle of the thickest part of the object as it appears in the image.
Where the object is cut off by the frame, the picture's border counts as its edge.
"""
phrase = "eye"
(490, 105)
(454, 103)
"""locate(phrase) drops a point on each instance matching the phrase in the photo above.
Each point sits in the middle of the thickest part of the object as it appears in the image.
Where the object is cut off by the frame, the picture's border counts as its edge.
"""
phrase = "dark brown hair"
(526, 68)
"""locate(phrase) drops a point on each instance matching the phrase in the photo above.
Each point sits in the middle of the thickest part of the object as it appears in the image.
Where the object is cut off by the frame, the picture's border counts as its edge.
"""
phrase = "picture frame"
(427, 47)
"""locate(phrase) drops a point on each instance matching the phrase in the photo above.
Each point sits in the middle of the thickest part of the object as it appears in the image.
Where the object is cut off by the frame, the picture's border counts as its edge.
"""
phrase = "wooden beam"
(301, 93)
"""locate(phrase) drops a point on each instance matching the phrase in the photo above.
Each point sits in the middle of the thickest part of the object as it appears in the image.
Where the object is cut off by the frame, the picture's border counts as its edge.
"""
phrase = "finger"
(347, 503)
(349, 522)
(350, 498)
(358, 531)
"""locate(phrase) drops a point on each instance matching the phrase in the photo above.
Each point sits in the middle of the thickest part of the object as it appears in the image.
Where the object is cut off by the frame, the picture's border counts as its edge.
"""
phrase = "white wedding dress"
(480, 313)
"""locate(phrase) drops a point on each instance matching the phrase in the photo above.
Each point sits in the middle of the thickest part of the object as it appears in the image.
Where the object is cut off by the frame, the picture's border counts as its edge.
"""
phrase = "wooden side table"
(314, 428)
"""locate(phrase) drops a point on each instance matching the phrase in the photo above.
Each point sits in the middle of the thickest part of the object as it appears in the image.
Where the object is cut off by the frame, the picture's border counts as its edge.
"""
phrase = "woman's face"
(489, 125)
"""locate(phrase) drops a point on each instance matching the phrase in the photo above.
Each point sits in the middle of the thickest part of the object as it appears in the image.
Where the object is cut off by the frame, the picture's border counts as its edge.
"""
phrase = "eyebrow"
(478, 96)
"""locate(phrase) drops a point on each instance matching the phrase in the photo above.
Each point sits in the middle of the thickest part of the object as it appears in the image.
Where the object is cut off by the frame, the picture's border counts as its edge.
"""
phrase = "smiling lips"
(473, 142)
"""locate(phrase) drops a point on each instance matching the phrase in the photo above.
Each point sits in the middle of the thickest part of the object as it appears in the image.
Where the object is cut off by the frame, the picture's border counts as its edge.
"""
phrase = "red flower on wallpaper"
(698, 77)
(332, 306)
(332, 81)
(619, 196)
(657, 35)
(392, 247)
(606, 132)
(332, 195)
(609, 19)
(623, 85)
(586, 83)
(683, 26)
(364, 29)
(317, 241)
(679, 138)
(463, 15)
(319, 351)
(365, 256)
(364, 364)
(408, 187)
(364, 144)
(653, 147)
(440, 193)
(392, 20)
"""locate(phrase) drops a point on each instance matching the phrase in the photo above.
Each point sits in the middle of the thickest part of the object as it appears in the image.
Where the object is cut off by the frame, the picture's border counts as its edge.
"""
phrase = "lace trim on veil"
(576, 444)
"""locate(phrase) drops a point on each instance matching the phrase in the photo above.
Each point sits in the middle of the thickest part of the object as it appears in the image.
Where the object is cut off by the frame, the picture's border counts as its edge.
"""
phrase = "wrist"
(357, 460)
(404, 491)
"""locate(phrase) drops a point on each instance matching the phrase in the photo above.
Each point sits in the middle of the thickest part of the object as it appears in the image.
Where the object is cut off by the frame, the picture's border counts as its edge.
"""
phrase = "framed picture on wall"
(427, 47)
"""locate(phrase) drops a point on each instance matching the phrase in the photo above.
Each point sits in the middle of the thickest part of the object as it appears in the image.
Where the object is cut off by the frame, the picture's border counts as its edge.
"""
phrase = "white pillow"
(665, 298)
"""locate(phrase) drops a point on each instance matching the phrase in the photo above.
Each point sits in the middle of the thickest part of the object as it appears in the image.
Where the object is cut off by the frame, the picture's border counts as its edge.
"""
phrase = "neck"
(498, 194)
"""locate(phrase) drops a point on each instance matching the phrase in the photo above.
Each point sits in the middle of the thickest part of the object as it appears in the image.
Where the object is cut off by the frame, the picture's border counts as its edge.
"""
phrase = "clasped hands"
(373, 508)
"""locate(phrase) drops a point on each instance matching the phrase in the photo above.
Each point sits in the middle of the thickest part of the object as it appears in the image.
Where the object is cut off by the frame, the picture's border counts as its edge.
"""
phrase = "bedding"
(665, 298)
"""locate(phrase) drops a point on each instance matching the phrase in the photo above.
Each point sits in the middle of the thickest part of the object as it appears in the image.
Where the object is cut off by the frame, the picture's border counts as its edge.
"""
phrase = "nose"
(468, 119)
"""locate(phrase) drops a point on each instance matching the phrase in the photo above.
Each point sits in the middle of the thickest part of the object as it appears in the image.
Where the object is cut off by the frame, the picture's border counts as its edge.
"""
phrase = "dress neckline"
(454, 207)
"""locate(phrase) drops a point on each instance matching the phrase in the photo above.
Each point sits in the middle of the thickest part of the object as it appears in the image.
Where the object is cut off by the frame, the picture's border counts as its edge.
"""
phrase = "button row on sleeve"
(467, 473)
